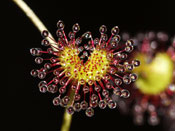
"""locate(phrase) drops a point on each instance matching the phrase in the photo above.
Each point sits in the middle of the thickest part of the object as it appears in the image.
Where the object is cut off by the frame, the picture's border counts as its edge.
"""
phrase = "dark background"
(31, 110)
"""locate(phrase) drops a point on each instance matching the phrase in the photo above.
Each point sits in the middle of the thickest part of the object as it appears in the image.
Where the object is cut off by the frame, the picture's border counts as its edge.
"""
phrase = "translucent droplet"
(77, 107)
(85, 89)
(114, 44)
(41, 75)
(115, 30)
(65, 100)
(87, 35)
(136, 63)
(45, 33)
(53, 59)
(52, 88)
(102, 104)
(56, 101)
(82, 82)
(43, 89)
(45, 42)
(103, 29)
(47, 66)
(34, 72)
(77, 97)
(129, 43)
(59, 33)
(60, 24)
(71, 35)
(133, 77)
(123, 56)
(35, 51)
(116, 38)
(62, 90)
(84, 105)
(38, 60)
(97, 88)
(117, 91)
(129, 67)
(94, 97)
(93, 103)
(112, 104)
(50, 50)
(90, 82)
(75, 28)
(70, 110)
(56, 72)
(109, 85)
(129, 49)
(126, 80)
(105, 93)
(41, 83)
(125, 93)
(118, 81)
(107, 99)
(89, 112)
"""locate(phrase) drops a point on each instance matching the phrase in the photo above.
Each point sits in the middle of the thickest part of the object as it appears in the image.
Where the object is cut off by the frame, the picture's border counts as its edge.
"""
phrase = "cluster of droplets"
(157, 105)
(78, 91)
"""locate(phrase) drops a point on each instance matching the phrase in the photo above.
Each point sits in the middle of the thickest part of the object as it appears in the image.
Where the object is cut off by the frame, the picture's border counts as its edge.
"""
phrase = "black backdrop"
(31, 110)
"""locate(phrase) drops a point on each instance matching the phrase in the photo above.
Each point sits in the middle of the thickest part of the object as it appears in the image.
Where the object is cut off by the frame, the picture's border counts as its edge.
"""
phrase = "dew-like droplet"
(43, 89)
(87, 35)
(97, 88)
(103, 29)
(41, 75)
(102, 104)
(84, 105)
(56, 101)
(117, 91)
(133, 77)
(136, 63)
(89, 112)
(44, 33)
(38, 60)
(129, 49)
(34, 72)
(60, 24)
(77, 107)
(126, 79)
(112, 104)
(118, 81)
(125, 93)
(77, 97)
(75, 28)
(70, 110)
(115, 30)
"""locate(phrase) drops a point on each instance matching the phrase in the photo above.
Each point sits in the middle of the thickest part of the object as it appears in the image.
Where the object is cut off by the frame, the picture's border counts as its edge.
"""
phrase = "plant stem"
(32, 16)
(40, 26)
(67, 118)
